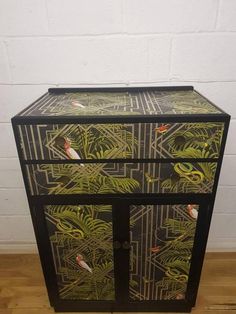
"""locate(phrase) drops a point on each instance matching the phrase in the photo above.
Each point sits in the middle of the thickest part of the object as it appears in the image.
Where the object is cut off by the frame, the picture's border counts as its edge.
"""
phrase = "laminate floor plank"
(22, 288)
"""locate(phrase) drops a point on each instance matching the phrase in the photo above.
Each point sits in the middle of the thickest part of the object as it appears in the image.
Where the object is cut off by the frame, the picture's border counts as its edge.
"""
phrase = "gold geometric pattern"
(81, 243)
(105, 178)
(121, 103)
(128, 140)
(161, 247)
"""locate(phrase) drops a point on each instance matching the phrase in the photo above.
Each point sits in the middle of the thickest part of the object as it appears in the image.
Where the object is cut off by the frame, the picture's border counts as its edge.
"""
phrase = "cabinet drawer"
(107, 178)
(120, 141)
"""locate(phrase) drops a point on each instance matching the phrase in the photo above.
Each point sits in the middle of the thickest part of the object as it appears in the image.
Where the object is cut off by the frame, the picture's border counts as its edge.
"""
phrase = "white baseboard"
(18, 248)
(221, 249)
(221, 245)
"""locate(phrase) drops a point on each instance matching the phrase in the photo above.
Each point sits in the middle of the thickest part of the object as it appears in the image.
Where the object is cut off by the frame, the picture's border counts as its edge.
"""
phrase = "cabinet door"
(122, 254)
(82, 245)
(76, 248)
(162, 240)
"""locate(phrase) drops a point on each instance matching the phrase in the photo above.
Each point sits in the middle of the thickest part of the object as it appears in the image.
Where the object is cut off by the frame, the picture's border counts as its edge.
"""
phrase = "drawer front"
(120, 141)
(107, 178)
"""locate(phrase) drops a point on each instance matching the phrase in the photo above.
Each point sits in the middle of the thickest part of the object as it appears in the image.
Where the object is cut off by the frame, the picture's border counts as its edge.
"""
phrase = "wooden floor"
(22, 289)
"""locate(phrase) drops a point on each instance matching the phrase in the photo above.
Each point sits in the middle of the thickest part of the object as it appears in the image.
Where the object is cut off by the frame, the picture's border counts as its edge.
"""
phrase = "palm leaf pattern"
(96, 141)
(87, 229)
(161, 253)
(199, 140)
(84, 230)
(176, 257)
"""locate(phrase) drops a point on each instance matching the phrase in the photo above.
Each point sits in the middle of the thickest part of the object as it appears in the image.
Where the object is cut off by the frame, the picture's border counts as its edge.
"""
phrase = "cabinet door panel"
(121, 141)
(81, 242)
(162, 239)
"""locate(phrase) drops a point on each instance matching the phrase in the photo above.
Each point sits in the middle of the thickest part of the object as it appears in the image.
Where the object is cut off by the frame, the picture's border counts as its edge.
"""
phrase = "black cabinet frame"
(120, 205)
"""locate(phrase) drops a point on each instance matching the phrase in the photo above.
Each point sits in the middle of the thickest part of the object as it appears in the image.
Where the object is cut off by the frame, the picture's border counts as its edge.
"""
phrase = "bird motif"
(77, 104)
(155, 249)
(70, 152)
(180, 296)
(81, 263)
(64, 143)
(163, 128)
(192, 211)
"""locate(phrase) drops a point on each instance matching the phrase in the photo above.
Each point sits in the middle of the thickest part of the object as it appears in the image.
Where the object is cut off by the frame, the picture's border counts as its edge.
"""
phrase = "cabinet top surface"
(120, 102)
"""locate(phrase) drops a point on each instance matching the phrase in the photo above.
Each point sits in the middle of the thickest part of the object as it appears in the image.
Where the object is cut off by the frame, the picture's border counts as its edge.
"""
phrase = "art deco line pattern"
(82, 248)
(161, 247)
(106, 178)
(121, 103)
(111, 141)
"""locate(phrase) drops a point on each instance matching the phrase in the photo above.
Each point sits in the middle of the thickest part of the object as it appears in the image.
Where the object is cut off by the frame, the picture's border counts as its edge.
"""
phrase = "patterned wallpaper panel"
(82, 246)
(121, 103)
(161, 239)
(161, 248)
(115, 141)
(106, 178)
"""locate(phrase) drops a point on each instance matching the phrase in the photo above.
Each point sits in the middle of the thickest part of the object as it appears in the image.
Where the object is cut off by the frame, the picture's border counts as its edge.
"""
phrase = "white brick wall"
(226, 19)
(172, 16)
(22, 18)
(79, 17)
(4, 66)
(123, 42)
(205, 57)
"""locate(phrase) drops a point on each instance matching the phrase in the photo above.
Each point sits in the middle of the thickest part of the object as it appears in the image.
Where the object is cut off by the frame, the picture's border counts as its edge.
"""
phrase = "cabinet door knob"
(126, 245)
(116, 245)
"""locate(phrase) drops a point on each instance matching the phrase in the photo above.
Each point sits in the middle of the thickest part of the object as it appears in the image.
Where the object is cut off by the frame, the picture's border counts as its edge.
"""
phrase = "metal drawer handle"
(126, 245)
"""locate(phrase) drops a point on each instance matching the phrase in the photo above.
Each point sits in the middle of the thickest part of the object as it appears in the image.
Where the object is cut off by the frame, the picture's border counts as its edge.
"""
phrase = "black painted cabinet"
(121, 184)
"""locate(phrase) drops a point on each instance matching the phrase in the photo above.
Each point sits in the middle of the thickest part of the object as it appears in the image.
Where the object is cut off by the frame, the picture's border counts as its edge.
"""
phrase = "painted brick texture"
(124, 42)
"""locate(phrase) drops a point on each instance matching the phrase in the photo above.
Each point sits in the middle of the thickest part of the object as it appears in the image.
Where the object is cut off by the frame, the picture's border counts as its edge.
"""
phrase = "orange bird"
(162, 129)
(155, 249)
